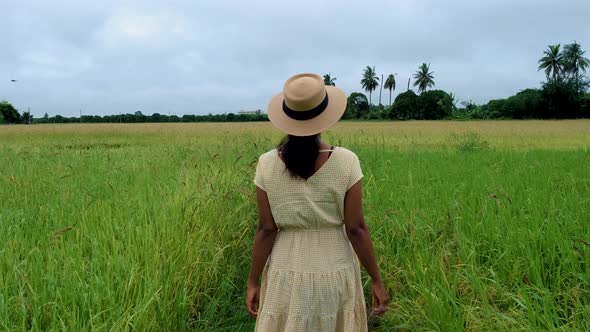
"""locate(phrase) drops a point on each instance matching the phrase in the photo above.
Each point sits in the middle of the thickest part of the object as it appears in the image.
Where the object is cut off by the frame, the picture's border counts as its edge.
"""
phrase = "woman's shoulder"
(268, 155)
(346, 153)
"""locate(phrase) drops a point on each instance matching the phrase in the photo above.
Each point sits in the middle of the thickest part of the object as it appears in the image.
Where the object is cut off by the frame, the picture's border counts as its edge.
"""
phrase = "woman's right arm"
(360, 238)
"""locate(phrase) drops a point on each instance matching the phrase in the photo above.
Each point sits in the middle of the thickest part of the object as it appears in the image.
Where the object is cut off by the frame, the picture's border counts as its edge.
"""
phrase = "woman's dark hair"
(299, 154)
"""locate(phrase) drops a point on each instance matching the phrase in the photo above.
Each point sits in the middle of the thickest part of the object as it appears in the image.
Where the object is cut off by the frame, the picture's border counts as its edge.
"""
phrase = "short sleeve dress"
(311, 280)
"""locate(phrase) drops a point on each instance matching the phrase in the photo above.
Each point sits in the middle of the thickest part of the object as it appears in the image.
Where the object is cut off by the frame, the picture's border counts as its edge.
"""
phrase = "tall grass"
(478, 226)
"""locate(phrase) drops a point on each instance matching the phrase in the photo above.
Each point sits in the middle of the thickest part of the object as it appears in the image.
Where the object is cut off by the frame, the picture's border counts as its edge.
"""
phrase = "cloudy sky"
(219, 56)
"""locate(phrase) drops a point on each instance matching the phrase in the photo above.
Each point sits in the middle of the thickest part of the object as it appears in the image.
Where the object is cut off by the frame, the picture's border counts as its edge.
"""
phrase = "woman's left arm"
(266, 233)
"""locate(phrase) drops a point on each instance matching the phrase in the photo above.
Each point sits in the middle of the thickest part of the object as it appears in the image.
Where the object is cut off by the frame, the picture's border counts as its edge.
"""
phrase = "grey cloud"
(220, 56)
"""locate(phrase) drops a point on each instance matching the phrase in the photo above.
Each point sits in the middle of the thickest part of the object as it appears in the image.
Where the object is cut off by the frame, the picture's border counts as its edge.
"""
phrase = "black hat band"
(306, 115)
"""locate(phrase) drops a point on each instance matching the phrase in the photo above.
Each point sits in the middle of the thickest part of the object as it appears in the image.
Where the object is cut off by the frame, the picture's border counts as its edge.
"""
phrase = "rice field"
(477, 226)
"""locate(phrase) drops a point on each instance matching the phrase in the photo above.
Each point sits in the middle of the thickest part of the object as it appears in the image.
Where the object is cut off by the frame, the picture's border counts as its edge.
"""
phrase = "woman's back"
(315, 203)
(312, 278)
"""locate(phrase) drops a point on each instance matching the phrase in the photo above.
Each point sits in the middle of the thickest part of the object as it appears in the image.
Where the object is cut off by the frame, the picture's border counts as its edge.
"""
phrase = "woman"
(310, 221)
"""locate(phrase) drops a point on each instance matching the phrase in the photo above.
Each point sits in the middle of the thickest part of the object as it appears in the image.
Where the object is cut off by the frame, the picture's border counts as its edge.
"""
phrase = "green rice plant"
(469, 142)
(149, 227)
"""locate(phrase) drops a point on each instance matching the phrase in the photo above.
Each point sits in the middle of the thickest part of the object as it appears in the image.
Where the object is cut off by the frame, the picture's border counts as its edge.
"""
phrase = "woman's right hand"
(380, 298)
(252, 299)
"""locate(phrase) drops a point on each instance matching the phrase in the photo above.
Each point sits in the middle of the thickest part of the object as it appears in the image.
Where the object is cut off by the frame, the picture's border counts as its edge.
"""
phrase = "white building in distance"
(250, 111)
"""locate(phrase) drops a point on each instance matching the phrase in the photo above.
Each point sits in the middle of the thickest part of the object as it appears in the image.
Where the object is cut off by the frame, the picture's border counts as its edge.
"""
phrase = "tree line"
(562, 95)
(429, 104)
(137, 117)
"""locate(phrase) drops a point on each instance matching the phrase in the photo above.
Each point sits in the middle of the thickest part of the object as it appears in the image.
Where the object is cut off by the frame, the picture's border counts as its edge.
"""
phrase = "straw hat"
(306, 106)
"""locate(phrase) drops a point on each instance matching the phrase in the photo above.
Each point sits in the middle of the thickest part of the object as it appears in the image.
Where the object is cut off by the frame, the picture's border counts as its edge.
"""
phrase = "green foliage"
(585, 111)
(569, 64)
(430, 105)
(562, 99)
(2, 121)
(469, 142)
(424, 78)
(526, 104)
(189, 118)
(356, 106)
(404, 106)
(575, 64)
(370, 81)
(376, 112)
(470, 110)
(574, 60)
(27, 118)
(552, 62)
(434, 105)
(495, 109)
(390, 85)
(138, 117)
(557, 99)
(9, 113)
(329, 80)
(376, 115)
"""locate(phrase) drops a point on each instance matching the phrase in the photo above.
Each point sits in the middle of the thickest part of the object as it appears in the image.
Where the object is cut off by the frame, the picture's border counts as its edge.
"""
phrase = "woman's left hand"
(252, 298)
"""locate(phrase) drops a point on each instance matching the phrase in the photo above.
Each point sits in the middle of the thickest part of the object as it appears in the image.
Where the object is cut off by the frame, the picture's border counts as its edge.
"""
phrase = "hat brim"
(331, 115)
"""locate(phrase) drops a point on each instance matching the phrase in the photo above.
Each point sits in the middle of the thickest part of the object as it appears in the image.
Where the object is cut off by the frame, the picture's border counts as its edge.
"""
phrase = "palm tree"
(370, 81)
(329, 80)
(424, 78)
(574, 61)
(552, 61)
(390, 85)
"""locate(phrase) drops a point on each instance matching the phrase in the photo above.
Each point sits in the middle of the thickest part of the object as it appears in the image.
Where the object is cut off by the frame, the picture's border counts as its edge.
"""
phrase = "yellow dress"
(311, 280)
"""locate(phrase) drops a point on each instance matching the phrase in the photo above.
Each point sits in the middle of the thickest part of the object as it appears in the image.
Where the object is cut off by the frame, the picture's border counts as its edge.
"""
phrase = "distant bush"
(470, 110)
(527, 103)
(9, 113)
(433, 105)
(357, 106)
(189, 118)
(585, 111)
(376, 112)
(494, 109)
(404, 106)
(562, 99)
(429, 105)
(155, 118)
(374, 115)
(559, 98)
